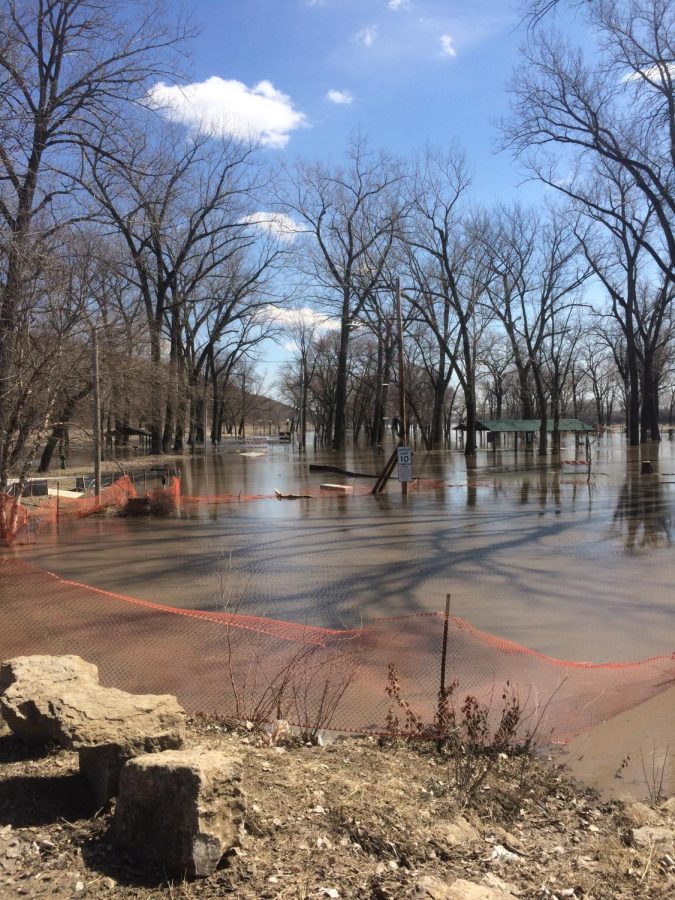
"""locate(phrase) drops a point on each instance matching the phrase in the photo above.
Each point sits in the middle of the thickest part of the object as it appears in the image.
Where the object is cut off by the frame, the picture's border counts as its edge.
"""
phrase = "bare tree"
(67, 70)
(350, 217)
(184, 211)
(535, 273)
(570, 116)
(445, 265)
(46, 358)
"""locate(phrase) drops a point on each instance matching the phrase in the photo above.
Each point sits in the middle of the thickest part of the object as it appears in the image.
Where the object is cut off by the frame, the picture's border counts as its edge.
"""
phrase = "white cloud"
(366, 36)
(302, 316)
(652, 73)
(340, 97)
(278, 224)
(395, 4)
(447, 48)
(229, 107)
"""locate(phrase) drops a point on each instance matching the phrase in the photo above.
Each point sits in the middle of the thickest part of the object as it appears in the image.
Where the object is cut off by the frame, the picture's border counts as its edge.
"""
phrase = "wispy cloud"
(302, 316)
(339, 97)
(229, 107)
(396, 4)
(366, 35)
(651, 73)
(278, 224)
(447, 45)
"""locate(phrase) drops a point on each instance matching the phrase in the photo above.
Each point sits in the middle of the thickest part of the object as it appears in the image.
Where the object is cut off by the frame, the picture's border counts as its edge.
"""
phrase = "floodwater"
(575, 571)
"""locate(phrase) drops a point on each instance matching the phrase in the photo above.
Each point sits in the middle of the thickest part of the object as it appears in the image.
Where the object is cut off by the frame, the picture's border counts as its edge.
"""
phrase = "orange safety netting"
(13, 517)
(171, 490)
(30, 520)
(57, 507)
(255, 668)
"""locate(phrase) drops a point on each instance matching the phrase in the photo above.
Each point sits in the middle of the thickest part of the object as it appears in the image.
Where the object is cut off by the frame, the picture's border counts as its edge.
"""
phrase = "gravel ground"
(352, 819)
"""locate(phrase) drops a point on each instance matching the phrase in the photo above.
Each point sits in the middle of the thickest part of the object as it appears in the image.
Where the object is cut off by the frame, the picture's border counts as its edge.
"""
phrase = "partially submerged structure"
(527, 428)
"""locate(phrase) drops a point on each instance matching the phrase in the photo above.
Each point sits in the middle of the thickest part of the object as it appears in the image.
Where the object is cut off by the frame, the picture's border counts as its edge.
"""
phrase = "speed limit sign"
(404, 464)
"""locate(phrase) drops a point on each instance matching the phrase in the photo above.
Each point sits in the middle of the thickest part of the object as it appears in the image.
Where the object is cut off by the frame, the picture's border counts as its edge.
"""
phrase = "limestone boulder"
(650, 835)
(456, 833)
(182, 810)
(59, 698)
(640, 814)
(461, 889)
(432, 888)
(25, 680)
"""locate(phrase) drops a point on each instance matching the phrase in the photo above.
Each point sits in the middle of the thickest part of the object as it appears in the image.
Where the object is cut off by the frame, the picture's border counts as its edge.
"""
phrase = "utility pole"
(401, 378)
(96, 415)
(386, 473)
(303, 403)
(205, 413)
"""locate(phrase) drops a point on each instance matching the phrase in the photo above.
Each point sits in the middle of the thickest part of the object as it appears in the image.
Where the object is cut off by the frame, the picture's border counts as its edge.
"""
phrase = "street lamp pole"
(96, 415)
(391, 463)
(401, 377)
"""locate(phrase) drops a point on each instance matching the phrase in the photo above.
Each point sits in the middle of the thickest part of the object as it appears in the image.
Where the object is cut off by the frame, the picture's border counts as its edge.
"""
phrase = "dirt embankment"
(348, 820)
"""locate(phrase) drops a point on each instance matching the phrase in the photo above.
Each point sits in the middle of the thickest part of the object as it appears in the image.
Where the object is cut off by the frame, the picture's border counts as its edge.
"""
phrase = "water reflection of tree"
(642, 517)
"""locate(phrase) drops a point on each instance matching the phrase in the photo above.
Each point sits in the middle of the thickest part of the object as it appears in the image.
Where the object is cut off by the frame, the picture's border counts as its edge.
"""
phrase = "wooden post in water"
(441, 707)
(444, 652)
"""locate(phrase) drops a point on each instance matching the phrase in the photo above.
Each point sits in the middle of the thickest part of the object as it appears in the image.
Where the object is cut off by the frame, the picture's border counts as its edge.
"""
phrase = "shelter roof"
(528, 425)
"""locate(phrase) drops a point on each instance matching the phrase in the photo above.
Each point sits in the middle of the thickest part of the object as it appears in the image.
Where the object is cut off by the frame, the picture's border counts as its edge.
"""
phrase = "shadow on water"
(526, 551)
(643, 517)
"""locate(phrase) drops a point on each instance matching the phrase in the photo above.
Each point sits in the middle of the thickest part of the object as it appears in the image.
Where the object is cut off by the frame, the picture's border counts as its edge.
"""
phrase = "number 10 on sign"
(404, 464)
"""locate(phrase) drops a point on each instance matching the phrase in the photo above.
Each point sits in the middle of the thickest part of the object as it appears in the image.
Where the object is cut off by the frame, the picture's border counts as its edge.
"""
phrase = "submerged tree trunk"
(649, 415)
(60, 430)
(340, 428)
(470, 409)
(543, 427)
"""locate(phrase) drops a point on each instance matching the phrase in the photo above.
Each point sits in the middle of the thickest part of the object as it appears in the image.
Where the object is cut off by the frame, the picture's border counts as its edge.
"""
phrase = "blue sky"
(413, 70)
(302, 75)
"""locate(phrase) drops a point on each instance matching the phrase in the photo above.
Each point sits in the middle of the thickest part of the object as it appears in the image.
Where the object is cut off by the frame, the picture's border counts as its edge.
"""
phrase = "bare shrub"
(473, 736)
(320, 681)
(162, 503)
(655, 774)
(272, 679)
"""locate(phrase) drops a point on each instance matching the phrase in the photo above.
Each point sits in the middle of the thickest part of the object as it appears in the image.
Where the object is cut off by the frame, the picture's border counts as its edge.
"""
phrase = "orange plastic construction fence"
(255, 668)
(30, 520)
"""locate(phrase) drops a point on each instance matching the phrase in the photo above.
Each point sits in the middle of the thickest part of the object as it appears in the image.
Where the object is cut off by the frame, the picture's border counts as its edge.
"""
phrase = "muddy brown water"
(575, 571)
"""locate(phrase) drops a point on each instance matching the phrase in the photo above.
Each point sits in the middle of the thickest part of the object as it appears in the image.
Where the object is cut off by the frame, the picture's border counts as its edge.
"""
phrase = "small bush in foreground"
(473, 736)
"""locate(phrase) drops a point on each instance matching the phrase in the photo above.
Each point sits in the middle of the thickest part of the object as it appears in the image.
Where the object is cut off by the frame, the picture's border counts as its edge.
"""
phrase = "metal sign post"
(404, 465)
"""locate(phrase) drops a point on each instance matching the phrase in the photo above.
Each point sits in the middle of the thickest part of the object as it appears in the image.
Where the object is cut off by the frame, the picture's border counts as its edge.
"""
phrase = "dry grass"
(353, 817)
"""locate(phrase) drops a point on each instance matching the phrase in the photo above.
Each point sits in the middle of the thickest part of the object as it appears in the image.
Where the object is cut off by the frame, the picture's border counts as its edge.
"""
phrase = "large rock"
(640, 814)
(432, 888)
(649, 835)
(28, 683)
(58, 698)
(457, 833)
(182, 810)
